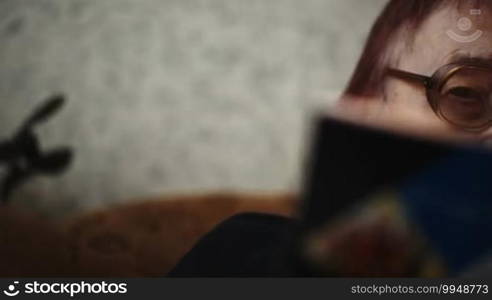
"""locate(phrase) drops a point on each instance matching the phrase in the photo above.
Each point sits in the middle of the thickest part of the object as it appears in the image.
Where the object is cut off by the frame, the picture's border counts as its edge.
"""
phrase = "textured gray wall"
(174, 95)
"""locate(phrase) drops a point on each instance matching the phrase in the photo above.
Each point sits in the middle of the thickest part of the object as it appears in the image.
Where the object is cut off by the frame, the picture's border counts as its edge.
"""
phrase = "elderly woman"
(427, 66)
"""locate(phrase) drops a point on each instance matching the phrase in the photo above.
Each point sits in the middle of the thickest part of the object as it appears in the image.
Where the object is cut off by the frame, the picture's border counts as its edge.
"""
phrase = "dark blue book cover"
(383, 205)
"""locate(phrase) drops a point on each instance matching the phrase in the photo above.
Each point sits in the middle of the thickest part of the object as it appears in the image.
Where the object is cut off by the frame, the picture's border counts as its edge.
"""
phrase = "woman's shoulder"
(245, 245)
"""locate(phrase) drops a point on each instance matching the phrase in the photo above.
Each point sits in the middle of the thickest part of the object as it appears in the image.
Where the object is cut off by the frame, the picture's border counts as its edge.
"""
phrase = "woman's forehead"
(449, 35)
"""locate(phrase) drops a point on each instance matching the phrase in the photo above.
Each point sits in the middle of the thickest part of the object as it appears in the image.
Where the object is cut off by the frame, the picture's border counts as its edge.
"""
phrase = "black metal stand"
(22, 156)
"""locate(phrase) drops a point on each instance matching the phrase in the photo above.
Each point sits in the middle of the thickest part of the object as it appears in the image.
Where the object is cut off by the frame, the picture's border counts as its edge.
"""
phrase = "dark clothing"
(247, 245)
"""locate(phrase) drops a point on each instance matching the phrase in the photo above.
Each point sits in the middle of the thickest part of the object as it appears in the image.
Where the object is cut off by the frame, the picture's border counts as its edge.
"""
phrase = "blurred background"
(174, 96)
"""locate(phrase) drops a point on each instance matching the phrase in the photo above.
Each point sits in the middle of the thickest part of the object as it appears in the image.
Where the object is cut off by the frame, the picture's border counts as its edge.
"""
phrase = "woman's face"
(436, 44)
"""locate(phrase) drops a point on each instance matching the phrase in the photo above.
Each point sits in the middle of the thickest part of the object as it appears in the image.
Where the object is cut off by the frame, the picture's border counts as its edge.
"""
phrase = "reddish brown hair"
(368, 77)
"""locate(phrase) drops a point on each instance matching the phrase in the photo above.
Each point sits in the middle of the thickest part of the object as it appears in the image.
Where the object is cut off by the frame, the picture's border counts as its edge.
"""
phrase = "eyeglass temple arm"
(425, 80)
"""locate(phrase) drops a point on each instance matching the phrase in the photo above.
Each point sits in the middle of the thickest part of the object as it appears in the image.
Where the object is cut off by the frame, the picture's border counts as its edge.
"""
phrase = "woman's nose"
(486, 138)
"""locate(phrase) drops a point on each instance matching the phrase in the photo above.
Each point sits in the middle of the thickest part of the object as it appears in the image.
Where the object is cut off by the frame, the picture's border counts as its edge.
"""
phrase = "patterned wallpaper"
(174, 96)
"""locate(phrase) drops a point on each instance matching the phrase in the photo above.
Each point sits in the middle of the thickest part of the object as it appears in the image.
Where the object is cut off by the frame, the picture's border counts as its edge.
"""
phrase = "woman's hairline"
(402, 41)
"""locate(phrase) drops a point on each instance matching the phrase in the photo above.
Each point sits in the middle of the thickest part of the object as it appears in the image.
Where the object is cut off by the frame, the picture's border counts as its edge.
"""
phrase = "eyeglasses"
(458, 93)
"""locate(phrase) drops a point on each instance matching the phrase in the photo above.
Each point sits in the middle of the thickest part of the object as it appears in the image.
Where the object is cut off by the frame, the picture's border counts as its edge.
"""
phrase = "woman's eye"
(465, 106)
(466, 93)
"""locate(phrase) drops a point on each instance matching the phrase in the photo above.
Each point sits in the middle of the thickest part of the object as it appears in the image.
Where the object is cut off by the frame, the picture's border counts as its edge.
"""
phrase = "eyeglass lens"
(465, 98)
